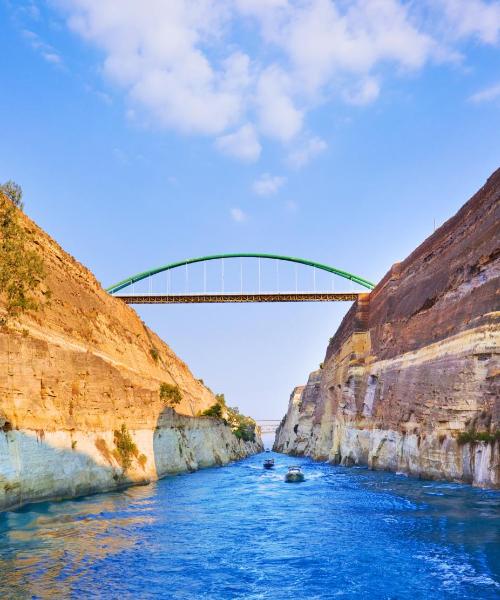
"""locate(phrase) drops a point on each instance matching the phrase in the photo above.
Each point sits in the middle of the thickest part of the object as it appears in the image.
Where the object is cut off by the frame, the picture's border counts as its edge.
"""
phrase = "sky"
(342, 131)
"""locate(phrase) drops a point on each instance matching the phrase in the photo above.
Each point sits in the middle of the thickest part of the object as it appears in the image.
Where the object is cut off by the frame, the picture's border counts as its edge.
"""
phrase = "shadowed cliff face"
(81, 368)
(415, 364)
(37, 465)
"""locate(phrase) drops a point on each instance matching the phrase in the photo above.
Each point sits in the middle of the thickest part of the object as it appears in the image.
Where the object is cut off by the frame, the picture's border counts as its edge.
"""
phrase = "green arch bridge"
(188, 297)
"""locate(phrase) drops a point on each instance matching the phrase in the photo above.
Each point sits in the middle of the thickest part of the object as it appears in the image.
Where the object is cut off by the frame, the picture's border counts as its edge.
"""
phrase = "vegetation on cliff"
(242, 426)
(21, 268)
(213, 411)
(473, 437)
(125, 447)
(170, 394)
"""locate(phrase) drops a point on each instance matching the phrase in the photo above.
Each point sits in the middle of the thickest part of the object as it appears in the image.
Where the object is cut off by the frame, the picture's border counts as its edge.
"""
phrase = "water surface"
(241, 532)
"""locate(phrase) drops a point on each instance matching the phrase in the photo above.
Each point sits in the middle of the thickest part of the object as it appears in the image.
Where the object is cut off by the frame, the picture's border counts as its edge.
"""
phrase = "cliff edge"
(411, 379)
(80, 408)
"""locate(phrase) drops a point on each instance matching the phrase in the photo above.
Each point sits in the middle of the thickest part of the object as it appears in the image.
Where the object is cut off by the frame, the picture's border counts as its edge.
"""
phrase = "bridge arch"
(120, 285)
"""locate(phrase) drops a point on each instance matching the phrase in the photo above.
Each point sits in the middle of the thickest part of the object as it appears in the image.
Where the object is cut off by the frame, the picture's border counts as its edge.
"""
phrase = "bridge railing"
(240, 274)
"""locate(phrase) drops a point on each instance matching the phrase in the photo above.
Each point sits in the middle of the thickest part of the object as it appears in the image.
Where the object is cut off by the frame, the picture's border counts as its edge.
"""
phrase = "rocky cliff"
(410, 380)
(80, 409)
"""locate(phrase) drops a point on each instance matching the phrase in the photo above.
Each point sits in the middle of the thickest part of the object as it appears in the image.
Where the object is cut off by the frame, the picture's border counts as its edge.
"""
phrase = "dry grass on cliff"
(22, 270)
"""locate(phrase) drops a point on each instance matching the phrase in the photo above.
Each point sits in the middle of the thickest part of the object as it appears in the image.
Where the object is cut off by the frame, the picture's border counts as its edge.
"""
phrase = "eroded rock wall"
(76, 371)
(415, 365)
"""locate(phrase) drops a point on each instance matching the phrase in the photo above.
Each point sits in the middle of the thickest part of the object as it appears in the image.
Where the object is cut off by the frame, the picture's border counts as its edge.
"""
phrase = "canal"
(241, 532)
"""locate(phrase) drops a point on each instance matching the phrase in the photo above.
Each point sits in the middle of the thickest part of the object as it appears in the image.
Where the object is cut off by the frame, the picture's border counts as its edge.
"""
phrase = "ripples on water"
(241, 532)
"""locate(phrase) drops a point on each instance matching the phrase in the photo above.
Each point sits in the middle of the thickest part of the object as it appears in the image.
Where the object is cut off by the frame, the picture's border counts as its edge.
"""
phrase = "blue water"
(241, 532)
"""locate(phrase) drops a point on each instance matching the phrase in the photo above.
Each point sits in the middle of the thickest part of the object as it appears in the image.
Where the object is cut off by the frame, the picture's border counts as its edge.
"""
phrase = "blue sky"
(335, 131)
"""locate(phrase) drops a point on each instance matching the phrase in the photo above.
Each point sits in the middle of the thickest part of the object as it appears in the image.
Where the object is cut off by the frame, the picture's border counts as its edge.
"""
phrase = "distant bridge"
(278, 286)
(268, 425)
(237, 298)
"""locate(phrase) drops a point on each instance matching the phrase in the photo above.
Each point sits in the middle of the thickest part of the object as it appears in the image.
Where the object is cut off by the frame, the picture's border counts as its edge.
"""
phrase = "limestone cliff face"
(295, 430)
(415, 364)
(77, 370)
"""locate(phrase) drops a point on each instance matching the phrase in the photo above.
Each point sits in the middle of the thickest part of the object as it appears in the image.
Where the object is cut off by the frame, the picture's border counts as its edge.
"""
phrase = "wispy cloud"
(52, 57)
(486, 95)
(309, 149)
(267, 185)
(243, 144)
(238, 215)
(44, 49)
(364, 92)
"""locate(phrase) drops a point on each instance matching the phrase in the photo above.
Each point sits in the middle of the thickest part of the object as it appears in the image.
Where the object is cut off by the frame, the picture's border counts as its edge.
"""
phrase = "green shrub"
(155, 355)
(214, 411)
(472, 437)
(245, 432)
(125, 447)
(465, 437)
(170, 394)
(217, 409)
(243, 427)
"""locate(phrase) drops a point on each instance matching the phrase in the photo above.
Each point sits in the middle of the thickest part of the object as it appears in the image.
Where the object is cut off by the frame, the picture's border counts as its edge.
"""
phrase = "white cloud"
(486, 95)
(238, 215)
(183, 64)
(302, 155)
(153, 50)
(365, 92)
(323, 41)
(243, 144)
(278, 117)
(474, 18)
(267, 185)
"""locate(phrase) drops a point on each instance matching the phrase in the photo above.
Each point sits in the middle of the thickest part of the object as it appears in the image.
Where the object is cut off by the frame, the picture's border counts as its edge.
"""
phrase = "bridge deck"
(224, 298)
(268, 425)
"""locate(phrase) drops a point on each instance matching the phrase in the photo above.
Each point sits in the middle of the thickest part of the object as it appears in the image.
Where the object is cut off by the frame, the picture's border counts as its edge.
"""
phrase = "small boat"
(294, 475)
(269, 463)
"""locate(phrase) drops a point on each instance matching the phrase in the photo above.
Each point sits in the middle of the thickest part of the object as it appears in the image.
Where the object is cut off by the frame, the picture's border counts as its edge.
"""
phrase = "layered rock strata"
(80, 409)
(410, 380)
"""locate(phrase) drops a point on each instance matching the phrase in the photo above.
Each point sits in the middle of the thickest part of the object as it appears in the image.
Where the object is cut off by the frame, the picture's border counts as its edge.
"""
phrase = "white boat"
(294, 475)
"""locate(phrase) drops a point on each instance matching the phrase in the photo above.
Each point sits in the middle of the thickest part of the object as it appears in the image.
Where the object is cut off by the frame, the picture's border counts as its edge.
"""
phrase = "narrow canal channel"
(241, 532)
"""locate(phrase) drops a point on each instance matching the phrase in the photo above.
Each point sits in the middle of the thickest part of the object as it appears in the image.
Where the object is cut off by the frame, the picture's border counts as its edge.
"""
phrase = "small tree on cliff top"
(21, 269)
(14, 192)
